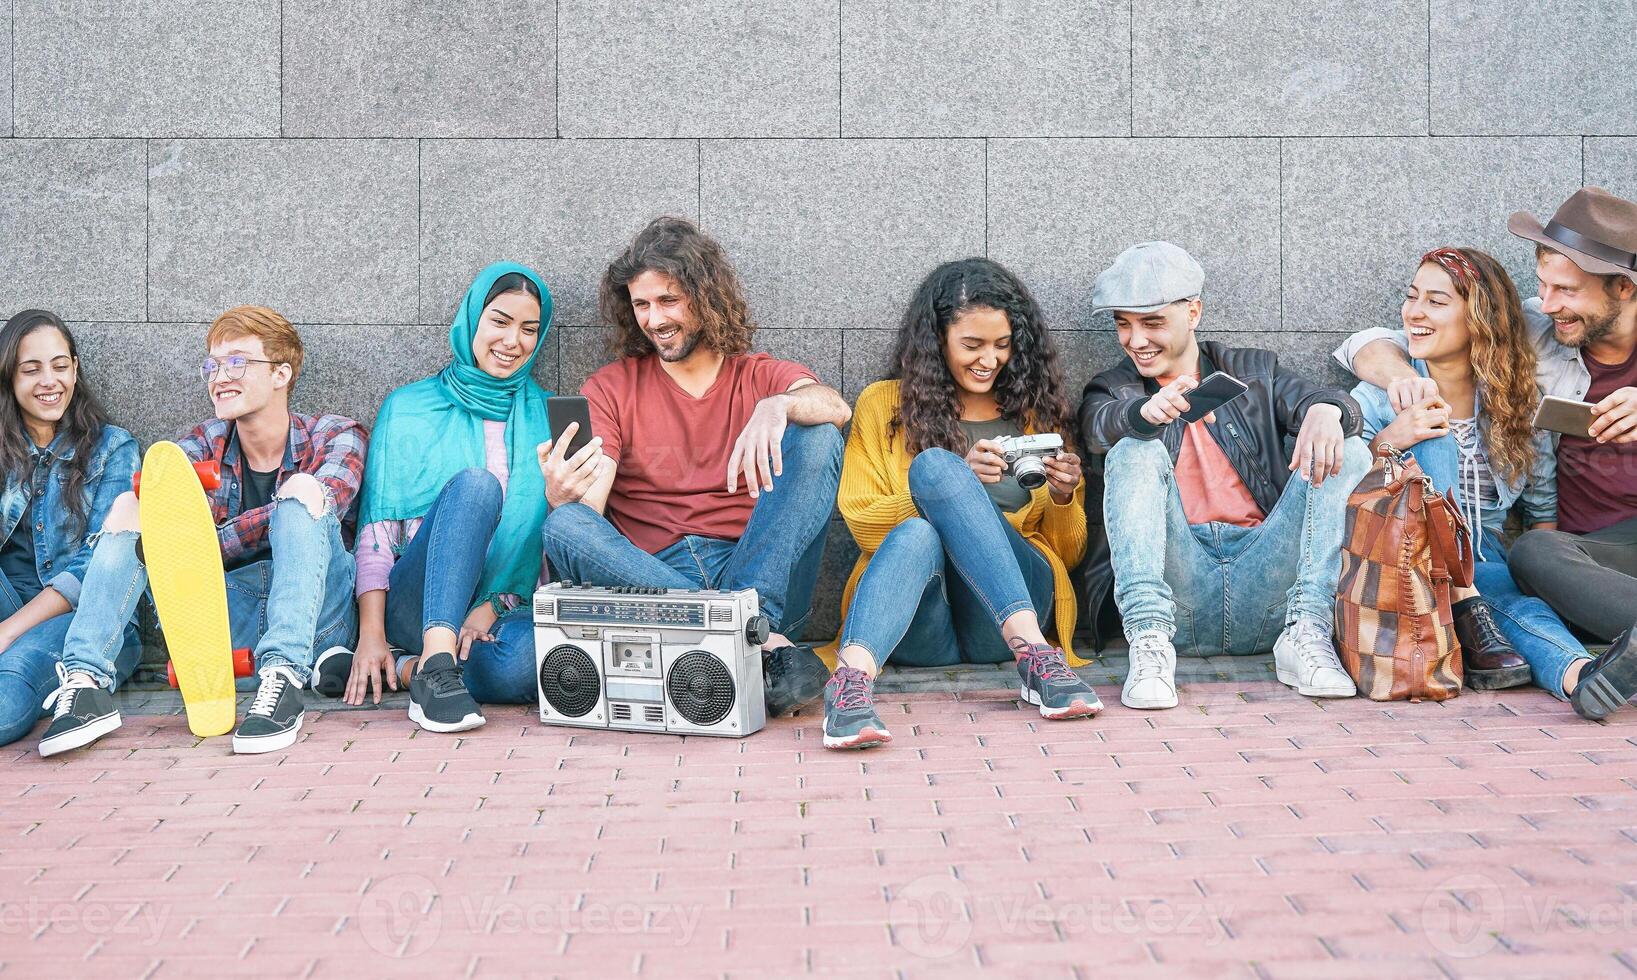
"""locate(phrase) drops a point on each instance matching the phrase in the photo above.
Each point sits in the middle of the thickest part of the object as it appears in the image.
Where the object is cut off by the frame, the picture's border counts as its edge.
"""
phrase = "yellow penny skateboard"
(184, 560)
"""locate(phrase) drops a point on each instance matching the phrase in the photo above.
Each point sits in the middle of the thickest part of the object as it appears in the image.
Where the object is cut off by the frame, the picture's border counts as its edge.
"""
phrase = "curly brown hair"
(1029, 388)
(1503, 362)
(676, 248)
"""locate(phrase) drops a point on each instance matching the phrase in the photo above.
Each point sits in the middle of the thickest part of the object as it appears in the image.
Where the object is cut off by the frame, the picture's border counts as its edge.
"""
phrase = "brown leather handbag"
(1406, 546)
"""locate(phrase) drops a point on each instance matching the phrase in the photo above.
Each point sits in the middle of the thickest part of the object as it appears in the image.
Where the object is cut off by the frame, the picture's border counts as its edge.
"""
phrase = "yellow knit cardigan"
(875, 498)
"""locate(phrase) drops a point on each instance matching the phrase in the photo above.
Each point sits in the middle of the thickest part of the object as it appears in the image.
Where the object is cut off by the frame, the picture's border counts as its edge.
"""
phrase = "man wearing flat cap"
(1584, 325)
(1218, 542)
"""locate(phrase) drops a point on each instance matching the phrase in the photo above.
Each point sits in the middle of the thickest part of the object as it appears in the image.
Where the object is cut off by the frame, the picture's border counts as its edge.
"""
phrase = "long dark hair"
(84, 418)
(1029, 388)
(675, 247)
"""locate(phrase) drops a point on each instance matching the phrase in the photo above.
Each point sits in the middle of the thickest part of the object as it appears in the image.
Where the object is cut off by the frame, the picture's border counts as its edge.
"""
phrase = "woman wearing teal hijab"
(453, 501)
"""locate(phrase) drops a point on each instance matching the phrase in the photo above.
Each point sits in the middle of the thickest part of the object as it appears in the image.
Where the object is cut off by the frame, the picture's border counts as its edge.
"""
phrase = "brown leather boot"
(1489, 661)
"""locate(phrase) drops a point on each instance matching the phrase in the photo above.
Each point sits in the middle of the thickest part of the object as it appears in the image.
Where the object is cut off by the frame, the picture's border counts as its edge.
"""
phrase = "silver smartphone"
(1571, 418)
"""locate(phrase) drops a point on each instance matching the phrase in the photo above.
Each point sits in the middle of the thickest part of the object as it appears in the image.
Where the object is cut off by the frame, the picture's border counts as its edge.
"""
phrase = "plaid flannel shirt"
(329, 447)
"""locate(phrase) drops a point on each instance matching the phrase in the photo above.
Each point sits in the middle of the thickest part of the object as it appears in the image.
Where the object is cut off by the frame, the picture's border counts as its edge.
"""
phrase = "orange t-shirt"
(1210, 487)
(672, 448)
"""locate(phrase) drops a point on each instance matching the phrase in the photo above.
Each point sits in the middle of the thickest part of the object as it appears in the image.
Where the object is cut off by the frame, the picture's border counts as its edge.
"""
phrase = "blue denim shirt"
(62, 546)
(1538, 490)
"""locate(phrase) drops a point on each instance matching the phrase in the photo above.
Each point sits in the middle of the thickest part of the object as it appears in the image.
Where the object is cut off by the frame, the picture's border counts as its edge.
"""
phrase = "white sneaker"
(1305, 658)
(1152, 680)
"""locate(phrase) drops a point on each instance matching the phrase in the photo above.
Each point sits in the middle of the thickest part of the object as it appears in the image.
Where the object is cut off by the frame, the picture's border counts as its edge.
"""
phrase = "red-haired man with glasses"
(284, 512)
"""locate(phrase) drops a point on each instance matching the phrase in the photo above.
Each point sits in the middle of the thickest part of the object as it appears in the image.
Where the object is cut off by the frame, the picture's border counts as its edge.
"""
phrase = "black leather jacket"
(1251, 431)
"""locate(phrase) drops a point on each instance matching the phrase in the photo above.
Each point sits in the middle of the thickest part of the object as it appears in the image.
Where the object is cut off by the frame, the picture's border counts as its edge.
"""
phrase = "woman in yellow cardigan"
(964, 557)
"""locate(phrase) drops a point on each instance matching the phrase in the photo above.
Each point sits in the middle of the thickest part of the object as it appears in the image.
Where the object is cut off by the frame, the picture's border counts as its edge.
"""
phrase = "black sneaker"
(791, 676)
(1608, 681)
(850, 720)
(331, 670)
(1049, 683)
(84, 713)
(438, 699)
(274, 718)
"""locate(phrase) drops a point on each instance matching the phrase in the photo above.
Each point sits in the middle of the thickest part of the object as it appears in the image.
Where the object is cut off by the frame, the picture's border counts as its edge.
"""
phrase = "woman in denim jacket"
(63, 465)
(1465, 330)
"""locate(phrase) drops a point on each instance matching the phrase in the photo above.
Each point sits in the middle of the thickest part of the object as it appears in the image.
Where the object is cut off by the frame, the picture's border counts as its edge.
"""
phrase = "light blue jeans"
(778, 554)
(287, 608)
(28, 668)
(1220, 588)
(1528, 623)
(970, 568)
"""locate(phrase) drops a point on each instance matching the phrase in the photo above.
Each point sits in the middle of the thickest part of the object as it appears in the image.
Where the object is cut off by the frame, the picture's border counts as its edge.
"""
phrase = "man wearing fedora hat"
(1218, 542)
(1584, 323)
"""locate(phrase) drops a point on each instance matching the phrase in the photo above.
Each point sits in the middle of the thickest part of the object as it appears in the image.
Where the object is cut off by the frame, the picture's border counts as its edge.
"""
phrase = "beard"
(1594, 328)
(690, 340)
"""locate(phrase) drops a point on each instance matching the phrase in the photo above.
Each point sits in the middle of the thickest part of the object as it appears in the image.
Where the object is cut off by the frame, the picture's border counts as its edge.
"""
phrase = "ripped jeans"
(288, 608)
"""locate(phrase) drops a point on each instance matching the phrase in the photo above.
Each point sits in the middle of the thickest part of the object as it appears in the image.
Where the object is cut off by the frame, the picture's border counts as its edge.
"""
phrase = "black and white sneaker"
(438, 699)
(331, 670)
(1609, 681)
(274, 718)
(83, 713)
(791, 677)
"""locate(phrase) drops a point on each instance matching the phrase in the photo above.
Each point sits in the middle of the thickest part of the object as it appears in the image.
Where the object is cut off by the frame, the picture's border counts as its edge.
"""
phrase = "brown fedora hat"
(1595, 229)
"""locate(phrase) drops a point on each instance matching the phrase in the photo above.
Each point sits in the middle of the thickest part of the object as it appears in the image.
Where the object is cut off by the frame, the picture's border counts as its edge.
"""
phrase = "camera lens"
(1030, 472)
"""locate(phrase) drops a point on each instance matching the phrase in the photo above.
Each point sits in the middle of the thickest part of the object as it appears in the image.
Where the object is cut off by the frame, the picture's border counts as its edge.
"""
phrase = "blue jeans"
(1219, 588)
(972, 569)
(453, 539)
(778, 554)
(1528, 623)
(28, 668)
(287, 608)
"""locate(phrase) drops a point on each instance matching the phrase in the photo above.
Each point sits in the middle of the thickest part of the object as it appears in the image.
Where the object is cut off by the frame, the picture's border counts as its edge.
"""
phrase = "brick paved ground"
(1249, 832)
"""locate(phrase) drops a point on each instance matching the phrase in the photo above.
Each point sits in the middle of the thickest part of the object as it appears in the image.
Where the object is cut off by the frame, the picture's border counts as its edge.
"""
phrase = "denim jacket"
(62, 547)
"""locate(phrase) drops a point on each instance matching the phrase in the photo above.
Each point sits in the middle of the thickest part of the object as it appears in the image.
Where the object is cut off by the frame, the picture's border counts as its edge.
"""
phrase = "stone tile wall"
(353, 164)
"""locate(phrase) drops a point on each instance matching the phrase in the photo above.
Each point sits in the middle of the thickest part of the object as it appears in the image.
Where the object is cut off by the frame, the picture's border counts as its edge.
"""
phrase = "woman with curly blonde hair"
(1472, 432)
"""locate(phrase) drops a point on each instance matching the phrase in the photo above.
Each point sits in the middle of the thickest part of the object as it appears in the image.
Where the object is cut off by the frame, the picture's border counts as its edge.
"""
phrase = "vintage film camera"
(683, 661)
(1026, 455)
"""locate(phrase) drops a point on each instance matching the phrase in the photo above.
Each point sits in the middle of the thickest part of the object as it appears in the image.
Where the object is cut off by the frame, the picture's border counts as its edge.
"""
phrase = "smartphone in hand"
(1216, 390)
(1562, 415)
(563, 409)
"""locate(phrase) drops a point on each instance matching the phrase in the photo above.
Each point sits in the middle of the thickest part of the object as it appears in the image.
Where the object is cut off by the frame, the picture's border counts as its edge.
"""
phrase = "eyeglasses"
(232, 368)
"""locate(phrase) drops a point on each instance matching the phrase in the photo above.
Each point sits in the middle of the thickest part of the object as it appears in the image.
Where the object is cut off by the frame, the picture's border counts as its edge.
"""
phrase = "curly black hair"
(1029, 388)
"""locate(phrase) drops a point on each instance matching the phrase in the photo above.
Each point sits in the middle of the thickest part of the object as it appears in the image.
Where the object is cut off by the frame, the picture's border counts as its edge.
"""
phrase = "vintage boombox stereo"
(683, 661)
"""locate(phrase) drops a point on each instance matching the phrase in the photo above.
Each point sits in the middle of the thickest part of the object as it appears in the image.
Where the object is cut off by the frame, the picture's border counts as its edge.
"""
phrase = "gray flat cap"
(1147, 277)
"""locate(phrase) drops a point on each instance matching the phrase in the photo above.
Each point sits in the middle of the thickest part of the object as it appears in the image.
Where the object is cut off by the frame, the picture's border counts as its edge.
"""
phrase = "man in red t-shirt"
(710, 467)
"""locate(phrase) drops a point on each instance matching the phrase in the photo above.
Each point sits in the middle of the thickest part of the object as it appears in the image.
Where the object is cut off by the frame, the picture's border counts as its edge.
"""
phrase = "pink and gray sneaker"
(1049, 683)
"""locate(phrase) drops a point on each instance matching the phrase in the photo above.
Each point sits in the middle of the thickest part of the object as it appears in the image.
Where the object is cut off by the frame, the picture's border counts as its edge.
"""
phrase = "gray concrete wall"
(352, 164)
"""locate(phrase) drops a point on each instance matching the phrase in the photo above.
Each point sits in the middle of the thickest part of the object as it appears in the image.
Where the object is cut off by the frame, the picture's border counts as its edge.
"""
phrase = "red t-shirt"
(1597, 484)
(672, 448)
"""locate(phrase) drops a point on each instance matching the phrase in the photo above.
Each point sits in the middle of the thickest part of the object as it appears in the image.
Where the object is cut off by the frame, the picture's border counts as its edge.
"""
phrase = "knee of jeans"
(564, 523)
(932, 469)
(916, 535)
(124, 515)
(1531, 552)
(306, 489)
(1356, 459)
(1132, 456)
(815, 446)
(477, 487)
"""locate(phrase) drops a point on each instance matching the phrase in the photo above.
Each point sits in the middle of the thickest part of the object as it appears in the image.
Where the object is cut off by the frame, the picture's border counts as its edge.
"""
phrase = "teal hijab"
(430, 430)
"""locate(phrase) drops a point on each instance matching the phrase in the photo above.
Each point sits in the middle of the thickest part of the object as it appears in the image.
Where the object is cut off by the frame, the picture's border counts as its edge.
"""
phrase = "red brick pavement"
(1249, 832)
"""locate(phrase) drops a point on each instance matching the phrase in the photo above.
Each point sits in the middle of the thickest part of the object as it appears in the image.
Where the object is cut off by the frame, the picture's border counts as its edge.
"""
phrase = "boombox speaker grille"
(700, 687)
(569, 681)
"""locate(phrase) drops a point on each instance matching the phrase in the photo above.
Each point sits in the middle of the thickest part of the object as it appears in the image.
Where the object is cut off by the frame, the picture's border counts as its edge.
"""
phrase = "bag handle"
(1449, 536)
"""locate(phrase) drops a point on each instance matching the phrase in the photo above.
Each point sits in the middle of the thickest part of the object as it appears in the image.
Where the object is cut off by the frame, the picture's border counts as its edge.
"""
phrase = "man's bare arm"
(810, 403)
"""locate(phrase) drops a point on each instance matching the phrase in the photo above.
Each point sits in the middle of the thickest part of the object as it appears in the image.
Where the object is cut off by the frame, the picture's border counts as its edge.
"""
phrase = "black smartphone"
(1215, 391)
(563, 409)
